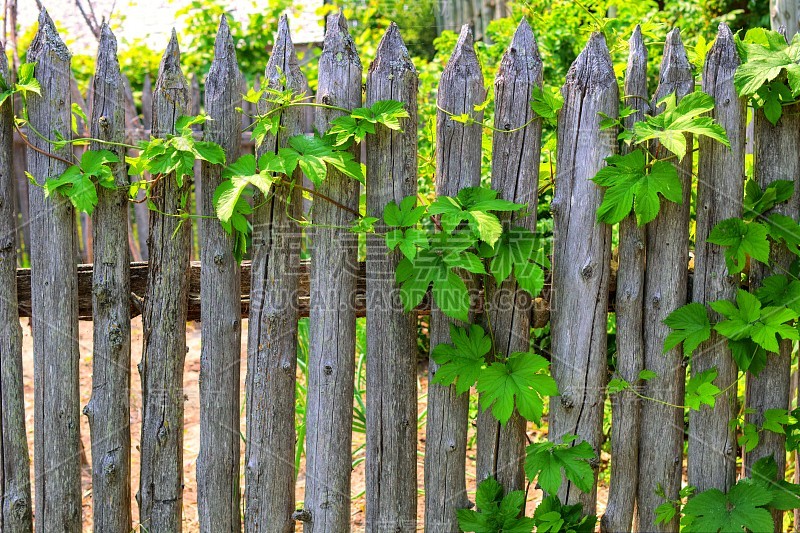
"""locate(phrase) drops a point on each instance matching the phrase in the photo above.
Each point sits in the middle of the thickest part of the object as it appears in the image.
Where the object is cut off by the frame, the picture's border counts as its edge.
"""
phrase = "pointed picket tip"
(224, 47)
(521, 59)
(283, 53)
(636, 42)
(107, 63)
(463, 62)
(592, 67)
(338, 41)
(723, 51)
(47, 39)
(392, 54)
(676, 71)
(171, 60)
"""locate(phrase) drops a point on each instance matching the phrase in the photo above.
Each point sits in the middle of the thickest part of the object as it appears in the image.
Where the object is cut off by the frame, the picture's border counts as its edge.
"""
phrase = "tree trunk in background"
(785, 14)
(625, 405)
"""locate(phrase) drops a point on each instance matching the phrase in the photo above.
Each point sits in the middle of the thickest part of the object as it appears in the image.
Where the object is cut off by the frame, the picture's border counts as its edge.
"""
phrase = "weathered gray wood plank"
(770, 389)
(108, 409)
(218, 490)
(272, 343)
(160, 493)
(581, 256)
(458, 163)
(515, 174)
(15, 484)
(54, 301)
(625, 405)
(334, 257)
(391, 484)
(712, 441)
(661, 439)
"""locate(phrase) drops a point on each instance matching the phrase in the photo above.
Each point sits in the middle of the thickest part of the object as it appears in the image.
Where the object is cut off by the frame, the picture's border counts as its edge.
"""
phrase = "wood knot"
(567, 402)
(104, 123)
(587, 272)
(301, 515)
(326, 99)
(328, 370)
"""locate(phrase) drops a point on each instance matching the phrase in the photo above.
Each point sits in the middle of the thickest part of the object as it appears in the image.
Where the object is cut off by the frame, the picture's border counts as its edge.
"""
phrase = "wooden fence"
(275, 289)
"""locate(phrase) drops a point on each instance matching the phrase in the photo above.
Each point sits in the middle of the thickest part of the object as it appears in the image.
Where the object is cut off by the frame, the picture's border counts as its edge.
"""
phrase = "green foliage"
(758, 202)
(765, 326)
(700, 389)
(631, 184)
(553, 517)
(746, 506)
(690, 326)
(176, 152)
(548, 462)
(496, 513)
(742, 240)
(462, 362)
(769, 74)
(361, 121)
(25, 85)
(522, 381)
(78, 182)
(677, 119)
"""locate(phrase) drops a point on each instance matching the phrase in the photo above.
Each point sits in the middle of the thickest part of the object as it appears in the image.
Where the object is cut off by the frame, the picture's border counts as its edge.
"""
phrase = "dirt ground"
(192, 428)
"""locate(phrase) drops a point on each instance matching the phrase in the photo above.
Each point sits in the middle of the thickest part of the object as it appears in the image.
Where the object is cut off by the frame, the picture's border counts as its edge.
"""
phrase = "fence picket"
(54, 301)
(221, 336)
(164, 321)
(770, 389)
(108, 409)
(581, 256)
(625, 405)
(334, 265)
(515, 174)
(458, 164)
(272, 342)
(391, 484)
(667, 252)
(712, 440)
(15, 484)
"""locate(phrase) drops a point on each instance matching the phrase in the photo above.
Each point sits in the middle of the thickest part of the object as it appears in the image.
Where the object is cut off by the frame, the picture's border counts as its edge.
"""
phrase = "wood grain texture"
(15, 484)
(770, 389)
(272, 343)
(581, 256)
(391, 462)
(54, 301)
(625, 405)
(218, 492)
(712, 441)
(661, 439)
(108, 409)
(160, 493)
(332, 321)
(515, 175)
(458, 164)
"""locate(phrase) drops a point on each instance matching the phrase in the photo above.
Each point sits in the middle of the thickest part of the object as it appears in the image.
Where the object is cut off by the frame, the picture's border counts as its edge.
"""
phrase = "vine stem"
(321, 196)
(37, 149)
(487, 126)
